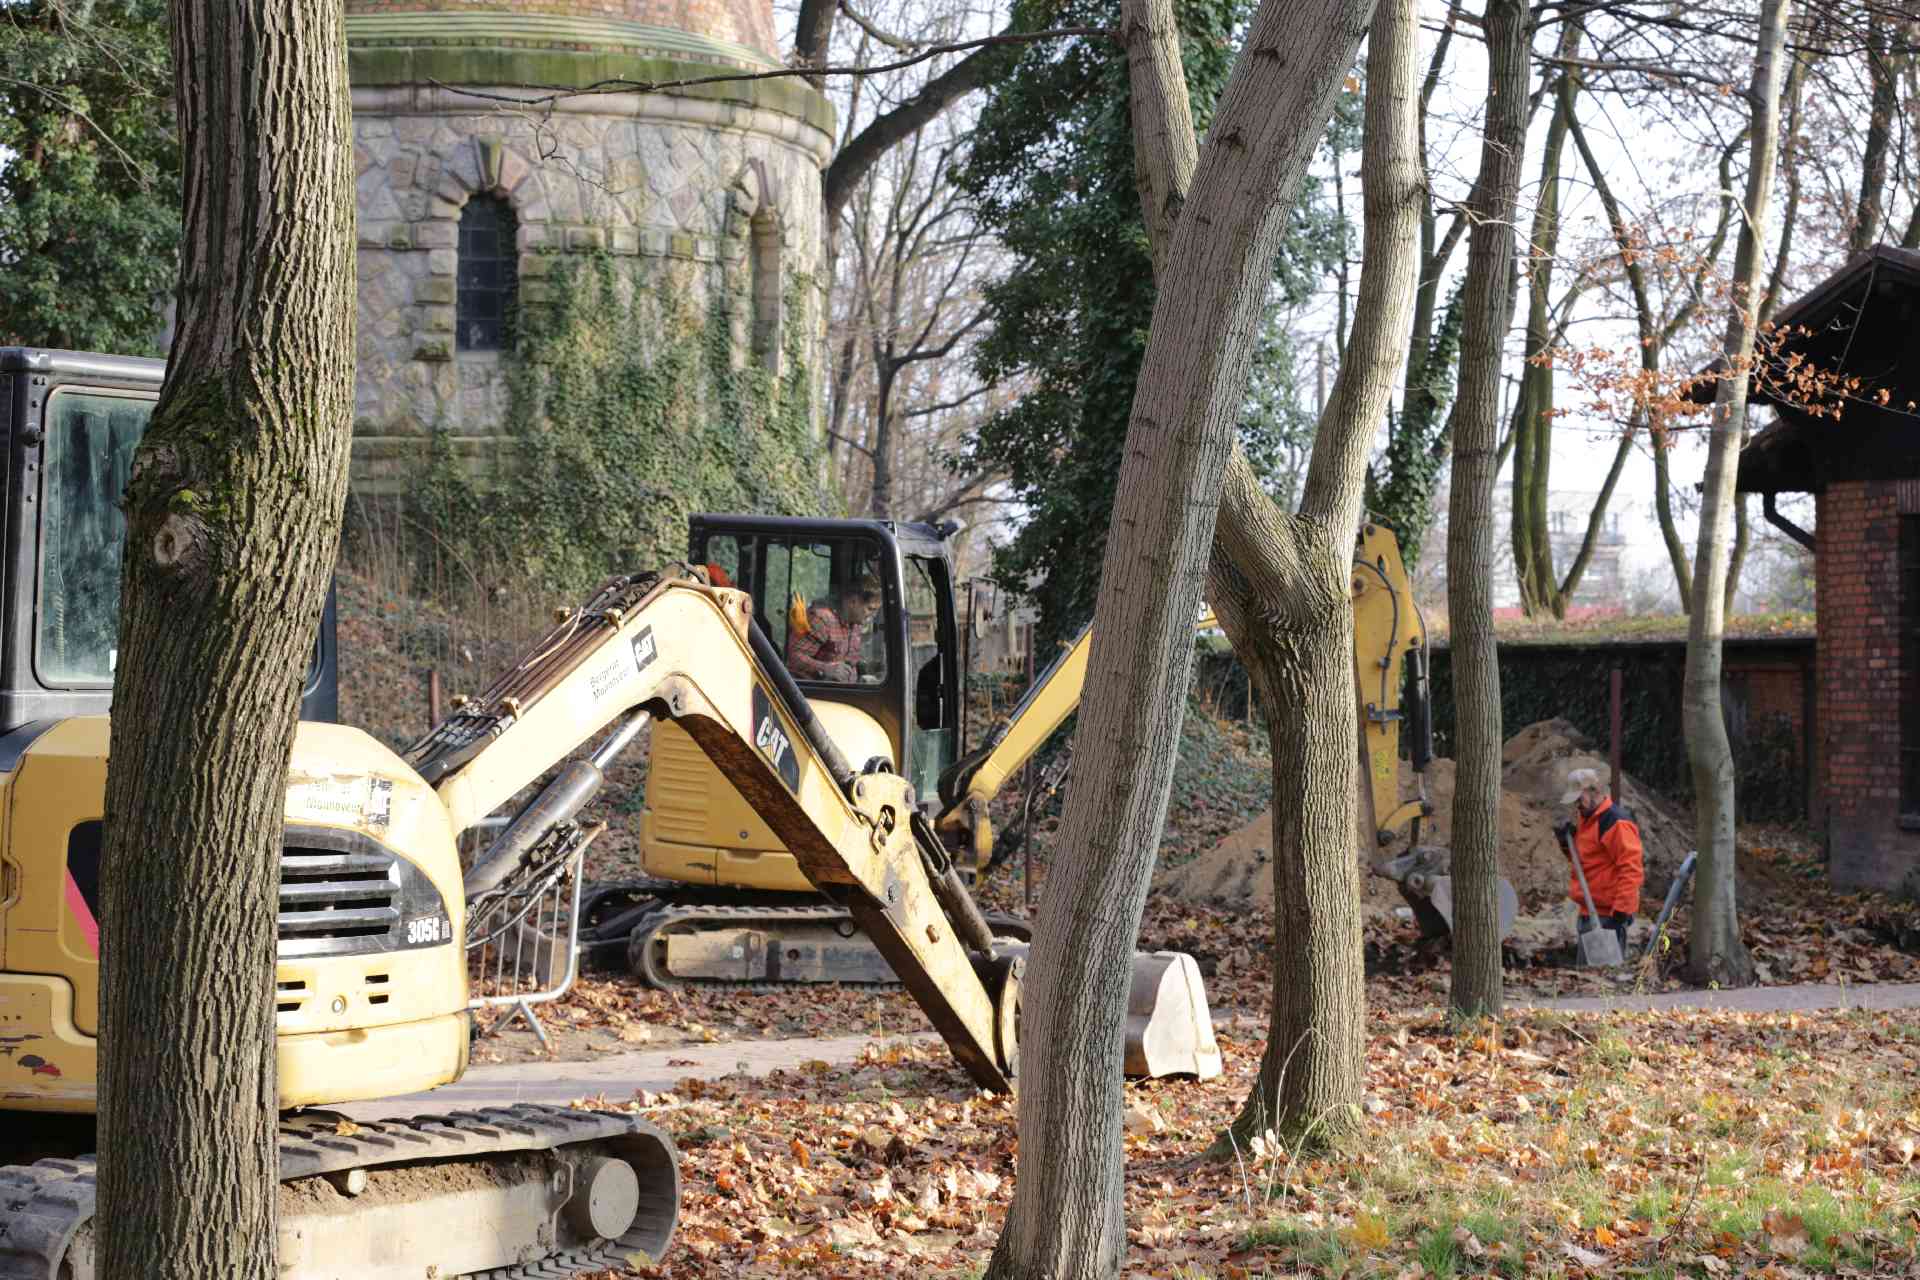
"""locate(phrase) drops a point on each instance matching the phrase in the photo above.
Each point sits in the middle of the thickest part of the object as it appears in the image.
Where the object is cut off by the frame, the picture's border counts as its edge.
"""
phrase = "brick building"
(1860, 459)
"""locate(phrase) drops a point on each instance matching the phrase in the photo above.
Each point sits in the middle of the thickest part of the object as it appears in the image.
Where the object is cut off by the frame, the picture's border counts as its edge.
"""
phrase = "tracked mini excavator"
(725, 903)
(371, 973)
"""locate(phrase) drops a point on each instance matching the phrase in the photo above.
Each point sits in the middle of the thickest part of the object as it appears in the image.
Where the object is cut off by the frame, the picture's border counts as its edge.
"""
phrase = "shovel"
(1597, 948)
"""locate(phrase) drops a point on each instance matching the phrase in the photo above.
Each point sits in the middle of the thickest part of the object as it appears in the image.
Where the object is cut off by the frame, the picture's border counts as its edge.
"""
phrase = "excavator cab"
(861, 613)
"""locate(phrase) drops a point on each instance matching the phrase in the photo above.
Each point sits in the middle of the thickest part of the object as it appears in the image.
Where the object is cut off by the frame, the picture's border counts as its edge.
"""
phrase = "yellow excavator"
(726, 903)
(372, 976)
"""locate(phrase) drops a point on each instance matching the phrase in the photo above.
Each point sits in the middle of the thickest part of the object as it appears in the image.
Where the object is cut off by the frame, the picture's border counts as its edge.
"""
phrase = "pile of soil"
(1535, 762)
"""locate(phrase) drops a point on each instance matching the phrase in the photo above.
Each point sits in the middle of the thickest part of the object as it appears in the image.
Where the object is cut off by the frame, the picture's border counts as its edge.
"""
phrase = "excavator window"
(89, 456)
(821, 600)
(935, 716)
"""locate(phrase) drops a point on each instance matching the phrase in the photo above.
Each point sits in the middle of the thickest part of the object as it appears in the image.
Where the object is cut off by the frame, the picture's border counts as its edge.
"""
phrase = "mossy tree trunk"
(1488, 302)
(233, 519)
(1066, 1221)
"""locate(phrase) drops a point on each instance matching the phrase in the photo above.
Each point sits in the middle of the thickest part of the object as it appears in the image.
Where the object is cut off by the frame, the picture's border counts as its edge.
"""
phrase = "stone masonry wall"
(710, 195)
(1857, 553)
(742, 22)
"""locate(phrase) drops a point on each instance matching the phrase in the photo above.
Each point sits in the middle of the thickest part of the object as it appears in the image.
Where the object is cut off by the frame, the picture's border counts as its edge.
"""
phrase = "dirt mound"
(1534, 765)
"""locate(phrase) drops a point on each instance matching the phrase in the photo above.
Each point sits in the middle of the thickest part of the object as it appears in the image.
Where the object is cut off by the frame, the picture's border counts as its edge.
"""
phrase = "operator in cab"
(836, 633)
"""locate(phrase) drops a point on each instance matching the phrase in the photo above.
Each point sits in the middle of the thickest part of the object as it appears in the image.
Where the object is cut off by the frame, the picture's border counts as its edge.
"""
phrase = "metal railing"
(523, 936)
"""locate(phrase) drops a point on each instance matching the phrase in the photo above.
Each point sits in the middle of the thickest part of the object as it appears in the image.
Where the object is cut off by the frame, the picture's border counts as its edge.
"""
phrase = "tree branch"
(865, 148)
(885, 38)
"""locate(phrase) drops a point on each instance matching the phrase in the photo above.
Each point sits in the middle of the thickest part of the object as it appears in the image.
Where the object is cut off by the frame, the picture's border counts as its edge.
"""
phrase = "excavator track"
(46, 1209)
(644, 957)
(665, 917)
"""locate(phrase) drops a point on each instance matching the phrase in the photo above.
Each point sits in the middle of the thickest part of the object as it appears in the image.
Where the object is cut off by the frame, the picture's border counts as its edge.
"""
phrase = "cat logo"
(771, 737)
(644, 650)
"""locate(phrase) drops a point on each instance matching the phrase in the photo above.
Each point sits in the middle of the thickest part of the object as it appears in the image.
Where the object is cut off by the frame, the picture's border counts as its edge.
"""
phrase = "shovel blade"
(1169, 1026)
(1600, 949)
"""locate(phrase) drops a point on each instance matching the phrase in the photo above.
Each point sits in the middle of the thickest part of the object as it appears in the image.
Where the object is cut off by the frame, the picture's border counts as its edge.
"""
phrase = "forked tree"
(1220, 231)
(1715, 952)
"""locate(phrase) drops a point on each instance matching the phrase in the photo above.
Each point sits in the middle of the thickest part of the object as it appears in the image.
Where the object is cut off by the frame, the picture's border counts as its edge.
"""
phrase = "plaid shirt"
(827, 642)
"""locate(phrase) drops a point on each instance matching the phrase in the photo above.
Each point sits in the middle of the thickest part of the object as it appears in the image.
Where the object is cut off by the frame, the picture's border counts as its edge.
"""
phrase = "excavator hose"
(950, 890)
(569, 792)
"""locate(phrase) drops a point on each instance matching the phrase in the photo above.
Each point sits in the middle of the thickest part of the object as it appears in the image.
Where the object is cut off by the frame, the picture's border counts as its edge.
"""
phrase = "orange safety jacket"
(1607, 842)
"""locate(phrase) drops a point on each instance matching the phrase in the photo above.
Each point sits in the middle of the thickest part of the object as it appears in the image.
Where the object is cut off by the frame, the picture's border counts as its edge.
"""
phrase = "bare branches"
(867, 25)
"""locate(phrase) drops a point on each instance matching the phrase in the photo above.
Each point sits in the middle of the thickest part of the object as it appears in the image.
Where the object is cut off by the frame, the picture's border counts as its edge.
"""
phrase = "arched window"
(489, 274)
(763, 258)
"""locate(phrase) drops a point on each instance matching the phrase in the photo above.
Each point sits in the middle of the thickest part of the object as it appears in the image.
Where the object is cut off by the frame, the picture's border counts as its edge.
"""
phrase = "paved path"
(657, 1070)
(618, 1075)
(1825, 995)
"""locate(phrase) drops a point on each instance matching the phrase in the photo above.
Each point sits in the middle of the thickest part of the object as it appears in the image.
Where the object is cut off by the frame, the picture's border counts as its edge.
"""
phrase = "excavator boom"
(671, 647)
(1388, 634)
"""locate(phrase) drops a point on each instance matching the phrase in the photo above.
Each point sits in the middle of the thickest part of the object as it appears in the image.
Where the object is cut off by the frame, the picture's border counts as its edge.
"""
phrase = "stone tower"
(468, 203)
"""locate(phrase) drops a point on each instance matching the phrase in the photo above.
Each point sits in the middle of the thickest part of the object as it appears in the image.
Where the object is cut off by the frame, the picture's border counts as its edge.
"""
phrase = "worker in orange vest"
(1606, 839)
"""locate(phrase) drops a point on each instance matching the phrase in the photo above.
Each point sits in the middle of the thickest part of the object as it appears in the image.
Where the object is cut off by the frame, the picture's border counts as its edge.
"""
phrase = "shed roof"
(1863, 321)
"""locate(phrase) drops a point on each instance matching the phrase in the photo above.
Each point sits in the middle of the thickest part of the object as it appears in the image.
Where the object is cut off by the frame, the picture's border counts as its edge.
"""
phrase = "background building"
(707, 199)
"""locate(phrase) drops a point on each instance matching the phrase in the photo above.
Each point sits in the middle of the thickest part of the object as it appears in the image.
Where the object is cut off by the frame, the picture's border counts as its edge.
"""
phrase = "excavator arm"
(671, 646)
(1389, 633)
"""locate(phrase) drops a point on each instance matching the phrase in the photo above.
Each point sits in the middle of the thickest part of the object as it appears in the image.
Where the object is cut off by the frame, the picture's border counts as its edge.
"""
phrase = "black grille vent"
(324, 894)
(344, 893)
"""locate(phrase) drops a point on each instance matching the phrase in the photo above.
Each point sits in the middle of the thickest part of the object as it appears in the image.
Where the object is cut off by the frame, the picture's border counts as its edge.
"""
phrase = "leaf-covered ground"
(1799, 930)
(1693, 1143)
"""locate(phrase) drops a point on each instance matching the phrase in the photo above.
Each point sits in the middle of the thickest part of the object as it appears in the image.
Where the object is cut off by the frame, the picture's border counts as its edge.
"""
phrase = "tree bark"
(1067, 1220)
(1268, 582)
(1279, 584)
(1867, 214)
(1715, 952)
(1533, 417)
(1476, 987)
(233, 519)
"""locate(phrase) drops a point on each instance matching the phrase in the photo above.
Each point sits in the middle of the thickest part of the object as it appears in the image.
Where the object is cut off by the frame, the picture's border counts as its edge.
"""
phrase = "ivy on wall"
(629, 409)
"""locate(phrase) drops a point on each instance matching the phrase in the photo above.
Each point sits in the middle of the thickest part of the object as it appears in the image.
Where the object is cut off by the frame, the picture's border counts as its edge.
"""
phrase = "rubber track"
(669, 917)
(43, 1205)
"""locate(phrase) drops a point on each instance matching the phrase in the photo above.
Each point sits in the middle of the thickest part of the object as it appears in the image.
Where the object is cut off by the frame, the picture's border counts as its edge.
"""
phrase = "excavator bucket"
(1169, 1027)
(1424, 874)
(1440, 894)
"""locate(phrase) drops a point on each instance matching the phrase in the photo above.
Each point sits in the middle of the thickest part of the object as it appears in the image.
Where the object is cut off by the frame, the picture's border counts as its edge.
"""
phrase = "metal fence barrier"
(523, 937)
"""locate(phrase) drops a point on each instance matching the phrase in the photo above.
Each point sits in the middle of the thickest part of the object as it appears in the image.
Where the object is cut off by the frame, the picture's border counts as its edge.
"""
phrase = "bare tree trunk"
(1278, 584)
(1867, 214)
(1669, 530)
(1067, 1220)
(1294, 632)
(1715, 952)
(1476, 425)
(1533, 420)
(233, 519)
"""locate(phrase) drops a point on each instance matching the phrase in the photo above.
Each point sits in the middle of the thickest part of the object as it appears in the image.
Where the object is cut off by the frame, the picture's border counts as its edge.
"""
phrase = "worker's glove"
(1618, 922)
(842, 673)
